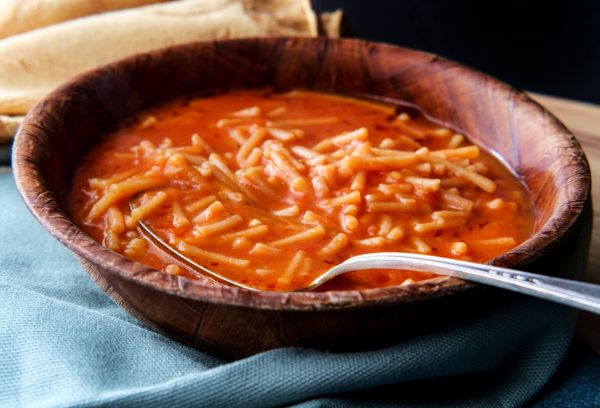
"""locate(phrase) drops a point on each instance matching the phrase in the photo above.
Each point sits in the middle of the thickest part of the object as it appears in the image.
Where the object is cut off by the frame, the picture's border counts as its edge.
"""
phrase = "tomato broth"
(273, 189)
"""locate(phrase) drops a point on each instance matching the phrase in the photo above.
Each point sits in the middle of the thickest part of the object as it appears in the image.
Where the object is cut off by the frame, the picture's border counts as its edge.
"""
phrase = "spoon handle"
(580, 295)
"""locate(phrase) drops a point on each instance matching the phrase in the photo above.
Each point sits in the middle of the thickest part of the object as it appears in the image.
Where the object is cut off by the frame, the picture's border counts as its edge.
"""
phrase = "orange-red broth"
(497, 222)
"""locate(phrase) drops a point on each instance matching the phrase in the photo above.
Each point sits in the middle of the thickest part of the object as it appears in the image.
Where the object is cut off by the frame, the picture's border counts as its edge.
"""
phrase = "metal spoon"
(580, 295)
(192, 265)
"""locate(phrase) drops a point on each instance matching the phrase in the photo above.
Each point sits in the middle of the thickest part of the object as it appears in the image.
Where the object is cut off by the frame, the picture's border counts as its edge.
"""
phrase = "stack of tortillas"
(45, 42)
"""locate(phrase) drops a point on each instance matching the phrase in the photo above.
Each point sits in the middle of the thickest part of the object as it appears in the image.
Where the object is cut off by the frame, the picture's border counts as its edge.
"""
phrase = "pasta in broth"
(273, 189)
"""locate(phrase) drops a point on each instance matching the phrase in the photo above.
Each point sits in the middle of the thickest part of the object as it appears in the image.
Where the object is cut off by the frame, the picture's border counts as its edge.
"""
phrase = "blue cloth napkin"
(577, 383)
(63, 342)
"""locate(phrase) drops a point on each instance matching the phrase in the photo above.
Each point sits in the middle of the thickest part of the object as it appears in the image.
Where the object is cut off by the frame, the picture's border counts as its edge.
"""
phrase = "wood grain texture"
(235, 322)
(584, 120)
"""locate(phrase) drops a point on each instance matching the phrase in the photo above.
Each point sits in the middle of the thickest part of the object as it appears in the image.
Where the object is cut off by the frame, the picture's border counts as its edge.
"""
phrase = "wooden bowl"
(236, 322)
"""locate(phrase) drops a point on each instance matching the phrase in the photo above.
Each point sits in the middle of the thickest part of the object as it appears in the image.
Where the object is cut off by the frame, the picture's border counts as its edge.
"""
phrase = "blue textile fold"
(580, 386)
(63, 342)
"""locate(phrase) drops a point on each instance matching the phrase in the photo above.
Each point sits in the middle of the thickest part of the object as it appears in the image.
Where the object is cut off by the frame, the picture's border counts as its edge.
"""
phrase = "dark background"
(551, 47)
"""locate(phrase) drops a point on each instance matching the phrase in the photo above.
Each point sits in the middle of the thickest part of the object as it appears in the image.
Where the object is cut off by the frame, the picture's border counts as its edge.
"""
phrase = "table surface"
(583, 120)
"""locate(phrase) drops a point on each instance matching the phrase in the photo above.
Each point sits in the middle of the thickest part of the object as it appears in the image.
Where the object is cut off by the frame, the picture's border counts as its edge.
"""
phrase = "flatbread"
(19, 16)
(331, 23)
(34, 63)
(8, 127)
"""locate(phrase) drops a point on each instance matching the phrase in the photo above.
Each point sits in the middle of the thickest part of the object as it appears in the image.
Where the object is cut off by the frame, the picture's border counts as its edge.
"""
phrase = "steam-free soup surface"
(273, 189)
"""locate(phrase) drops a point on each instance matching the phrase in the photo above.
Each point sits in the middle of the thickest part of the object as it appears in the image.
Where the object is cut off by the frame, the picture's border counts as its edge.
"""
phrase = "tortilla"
(8, 127)
(331, 23)
(19, 16)
(34, 63)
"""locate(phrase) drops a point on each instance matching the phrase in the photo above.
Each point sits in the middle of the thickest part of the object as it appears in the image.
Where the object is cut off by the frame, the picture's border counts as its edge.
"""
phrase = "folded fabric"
(576, 384)
(63, 342)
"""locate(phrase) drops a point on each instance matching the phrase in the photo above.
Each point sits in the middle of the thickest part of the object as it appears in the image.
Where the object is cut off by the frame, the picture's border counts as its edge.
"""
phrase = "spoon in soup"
(580, 295)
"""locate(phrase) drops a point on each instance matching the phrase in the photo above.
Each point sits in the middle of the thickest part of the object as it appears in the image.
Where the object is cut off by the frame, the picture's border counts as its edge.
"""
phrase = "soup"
(273, 189)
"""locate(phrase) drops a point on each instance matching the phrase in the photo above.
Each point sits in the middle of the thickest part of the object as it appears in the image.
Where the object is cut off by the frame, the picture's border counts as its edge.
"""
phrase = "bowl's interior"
(62, 128)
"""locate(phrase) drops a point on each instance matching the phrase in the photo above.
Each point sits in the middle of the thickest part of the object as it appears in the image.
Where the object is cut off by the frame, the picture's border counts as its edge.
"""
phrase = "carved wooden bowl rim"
(28, 149)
